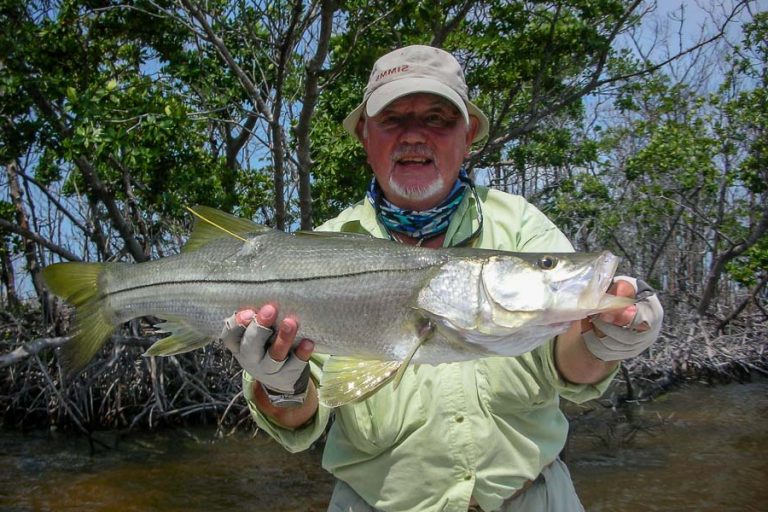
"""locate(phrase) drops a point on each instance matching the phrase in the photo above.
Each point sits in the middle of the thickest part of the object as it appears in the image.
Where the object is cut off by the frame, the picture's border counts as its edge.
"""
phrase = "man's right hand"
(272, 361)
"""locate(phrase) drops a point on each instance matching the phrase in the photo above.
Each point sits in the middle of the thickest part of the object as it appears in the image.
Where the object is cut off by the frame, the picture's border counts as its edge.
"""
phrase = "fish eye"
(547, 262)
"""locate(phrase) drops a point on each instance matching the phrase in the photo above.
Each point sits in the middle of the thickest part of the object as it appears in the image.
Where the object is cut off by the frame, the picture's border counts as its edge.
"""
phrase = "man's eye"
(434, 120)
(390, 121)
(439, 121)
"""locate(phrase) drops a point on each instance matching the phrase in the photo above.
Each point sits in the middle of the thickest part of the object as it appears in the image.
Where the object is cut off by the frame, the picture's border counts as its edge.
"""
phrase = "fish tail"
(78, 284)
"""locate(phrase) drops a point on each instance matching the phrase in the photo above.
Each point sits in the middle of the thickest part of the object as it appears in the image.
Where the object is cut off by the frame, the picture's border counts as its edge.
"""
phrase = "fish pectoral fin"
(212, 224)
(426, 330)
(345, 379)
(183, 338)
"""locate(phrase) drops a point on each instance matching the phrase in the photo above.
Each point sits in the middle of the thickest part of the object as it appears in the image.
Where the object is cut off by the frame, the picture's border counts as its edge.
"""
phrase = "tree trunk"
(311, 94)
(30, 253)
(8, 278)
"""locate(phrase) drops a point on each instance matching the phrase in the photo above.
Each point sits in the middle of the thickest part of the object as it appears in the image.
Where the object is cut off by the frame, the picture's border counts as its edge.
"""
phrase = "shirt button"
(468, 476)
(459, 419)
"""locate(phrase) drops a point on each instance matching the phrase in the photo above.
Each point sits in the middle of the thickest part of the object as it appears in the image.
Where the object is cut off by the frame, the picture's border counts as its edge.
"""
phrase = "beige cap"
(415, 69)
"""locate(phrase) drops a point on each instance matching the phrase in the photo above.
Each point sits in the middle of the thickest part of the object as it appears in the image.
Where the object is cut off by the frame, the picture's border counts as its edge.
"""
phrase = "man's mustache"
(413, 151)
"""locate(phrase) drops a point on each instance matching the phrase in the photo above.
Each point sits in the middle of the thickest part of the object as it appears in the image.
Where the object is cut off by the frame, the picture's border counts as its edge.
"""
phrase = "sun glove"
(284, 381)
(625, 342)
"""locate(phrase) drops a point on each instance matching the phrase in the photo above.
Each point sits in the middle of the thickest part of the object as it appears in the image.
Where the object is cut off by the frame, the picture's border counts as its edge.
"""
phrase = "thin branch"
(30, 235)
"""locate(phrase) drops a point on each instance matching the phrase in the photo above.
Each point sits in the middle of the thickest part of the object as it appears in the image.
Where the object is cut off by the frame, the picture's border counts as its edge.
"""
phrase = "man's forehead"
(422, 101)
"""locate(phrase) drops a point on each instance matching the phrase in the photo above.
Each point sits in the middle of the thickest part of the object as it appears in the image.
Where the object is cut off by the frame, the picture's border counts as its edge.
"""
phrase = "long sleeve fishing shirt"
(479, 428)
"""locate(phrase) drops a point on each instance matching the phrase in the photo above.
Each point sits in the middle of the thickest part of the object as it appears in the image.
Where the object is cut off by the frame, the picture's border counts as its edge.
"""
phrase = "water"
(699, 448)
(170, 471)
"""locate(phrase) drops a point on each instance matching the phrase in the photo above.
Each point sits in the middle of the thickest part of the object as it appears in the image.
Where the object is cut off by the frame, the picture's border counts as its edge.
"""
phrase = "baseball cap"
(416, 69)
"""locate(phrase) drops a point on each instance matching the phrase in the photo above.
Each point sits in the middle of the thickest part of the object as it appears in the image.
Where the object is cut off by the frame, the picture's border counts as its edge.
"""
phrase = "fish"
(375, 306)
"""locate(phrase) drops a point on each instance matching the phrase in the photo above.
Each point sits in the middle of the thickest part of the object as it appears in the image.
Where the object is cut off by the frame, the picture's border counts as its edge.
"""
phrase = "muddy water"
(695, 449)
(699, 448)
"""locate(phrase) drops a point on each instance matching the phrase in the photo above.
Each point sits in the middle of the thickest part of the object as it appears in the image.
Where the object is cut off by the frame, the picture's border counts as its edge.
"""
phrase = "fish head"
(540, 289)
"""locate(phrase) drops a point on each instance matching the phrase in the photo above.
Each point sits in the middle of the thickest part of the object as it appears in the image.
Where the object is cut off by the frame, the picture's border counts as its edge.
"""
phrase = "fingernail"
(267, 312)
(245, 316)
(287, 327)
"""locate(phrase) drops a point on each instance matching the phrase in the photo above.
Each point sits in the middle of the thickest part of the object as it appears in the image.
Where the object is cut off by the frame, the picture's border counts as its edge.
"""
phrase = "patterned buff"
(421, 225)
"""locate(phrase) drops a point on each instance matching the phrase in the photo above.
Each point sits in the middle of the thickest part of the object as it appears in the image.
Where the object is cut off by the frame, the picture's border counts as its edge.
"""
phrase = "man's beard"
(419, 192)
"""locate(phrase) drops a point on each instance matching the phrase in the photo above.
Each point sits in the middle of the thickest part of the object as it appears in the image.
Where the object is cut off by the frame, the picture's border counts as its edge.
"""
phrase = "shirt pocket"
(513, 384)
(385, 418)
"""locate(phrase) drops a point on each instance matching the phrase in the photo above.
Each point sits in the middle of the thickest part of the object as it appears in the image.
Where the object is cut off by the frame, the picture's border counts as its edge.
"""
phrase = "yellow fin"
(212, 224)
(78, 284)
(183, 338)
(346, 379)
(426, 330)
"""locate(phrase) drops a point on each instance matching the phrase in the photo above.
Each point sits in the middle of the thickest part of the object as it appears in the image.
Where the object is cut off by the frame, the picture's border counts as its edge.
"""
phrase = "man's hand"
(625, 333)
(268, 357)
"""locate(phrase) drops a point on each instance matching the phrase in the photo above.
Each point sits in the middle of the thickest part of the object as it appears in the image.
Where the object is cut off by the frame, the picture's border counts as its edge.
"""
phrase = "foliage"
(117, 115)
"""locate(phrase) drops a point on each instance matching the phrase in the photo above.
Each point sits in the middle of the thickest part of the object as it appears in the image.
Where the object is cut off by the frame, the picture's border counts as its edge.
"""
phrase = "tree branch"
(30, 235)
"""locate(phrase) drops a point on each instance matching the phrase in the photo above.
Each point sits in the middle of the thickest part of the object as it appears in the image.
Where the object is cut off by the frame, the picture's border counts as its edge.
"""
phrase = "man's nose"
(413, 131)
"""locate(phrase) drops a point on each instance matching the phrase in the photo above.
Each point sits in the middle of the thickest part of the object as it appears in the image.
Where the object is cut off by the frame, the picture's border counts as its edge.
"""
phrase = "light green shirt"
(451, 431)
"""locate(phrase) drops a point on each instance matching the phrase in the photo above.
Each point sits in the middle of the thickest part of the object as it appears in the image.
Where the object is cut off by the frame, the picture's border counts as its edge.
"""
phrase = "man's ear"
(359, 128)
(474, 125)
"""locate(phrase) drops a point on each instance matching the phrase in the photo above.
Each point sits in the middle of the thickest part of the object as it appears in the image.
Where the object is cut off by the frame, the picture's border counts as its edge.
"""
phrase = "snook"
(384, 303)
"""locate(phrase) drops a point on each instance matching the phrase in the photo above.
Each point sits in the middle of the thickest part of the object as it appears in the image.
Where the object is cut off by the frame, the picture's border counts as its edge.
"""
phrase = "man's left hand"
(625, 333)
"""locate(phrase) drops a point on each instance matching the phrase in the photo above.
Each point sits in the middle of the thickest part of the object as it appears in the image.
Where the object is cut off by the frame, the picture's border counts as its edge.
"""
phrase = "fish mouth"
(602, 278)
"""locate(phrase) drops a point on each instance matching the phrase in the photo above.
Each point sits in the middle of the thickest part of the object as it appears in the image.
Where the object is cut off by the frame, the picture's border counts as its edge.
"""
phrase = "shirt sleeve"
(293, 440)
(539, 234)
(577, 393)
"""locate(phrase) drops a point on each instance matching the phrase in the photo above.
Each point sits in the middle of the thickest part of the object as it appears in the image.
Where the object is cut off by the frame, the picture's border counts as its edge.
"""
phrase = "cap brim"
(392, 91)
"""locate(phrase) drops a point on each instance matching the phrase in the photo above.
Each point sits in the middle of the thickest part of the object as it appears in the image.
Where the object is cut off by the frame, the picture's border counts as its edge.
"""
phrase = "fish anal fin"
(183, 338)
(346, 380)
(212, 224)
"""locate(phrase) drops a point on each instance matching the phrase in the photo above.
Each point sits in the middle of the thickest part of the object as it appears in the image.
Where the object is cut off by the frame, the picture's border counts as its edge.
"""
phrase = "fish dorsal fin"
(183, 338)
(347, 379)
(212, 224)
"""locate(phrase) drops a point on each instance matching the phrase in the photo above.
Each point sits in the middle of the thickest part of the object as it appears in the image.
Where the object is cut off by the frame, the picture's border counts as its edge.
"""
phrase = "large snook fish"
(384, 304)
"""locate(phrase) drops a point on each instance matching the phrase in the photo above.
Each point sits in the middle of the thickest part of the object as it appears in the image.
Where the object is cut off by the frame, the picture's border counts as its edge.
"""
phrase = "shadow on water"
(697, 448)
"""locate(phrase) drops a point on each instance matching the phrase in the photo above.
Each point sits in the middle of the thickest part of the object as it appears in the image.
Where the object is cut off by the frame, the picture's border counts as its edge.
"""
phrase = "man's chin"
(417, 191)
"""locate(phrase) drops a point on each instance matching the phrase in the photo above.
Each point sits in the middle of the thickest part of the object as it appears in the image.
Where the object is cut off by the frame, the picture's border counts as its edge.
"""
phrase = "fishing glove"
(625, 342)
(286, 381)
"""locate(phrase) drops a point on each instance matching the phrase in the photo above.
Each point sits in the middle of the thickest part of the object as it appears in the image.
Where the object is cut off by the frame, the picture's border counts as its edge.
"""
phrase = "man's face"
(416, 146)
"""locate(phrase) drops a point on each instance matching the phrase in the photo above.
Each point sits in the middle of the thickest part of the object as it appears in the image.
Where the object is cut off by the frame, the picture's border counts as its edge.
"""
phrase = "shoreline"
(121, 390)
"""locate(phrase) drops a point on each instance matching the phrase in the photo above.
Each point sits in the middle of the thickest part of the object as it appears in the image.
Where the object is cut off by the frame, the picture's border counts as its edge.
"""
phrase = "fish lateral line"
(258, 283)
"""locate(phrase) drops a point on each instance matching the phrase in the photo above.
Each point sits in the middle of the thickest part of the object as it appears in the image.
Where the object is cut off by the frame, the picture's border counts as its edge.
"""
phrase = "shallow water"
(698, 448)
(169, 471)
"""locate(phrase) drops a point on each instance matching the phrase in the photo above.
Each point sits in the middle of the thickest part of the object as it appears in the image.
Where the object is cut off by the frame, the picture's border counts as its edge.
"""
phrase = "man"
(478, 435)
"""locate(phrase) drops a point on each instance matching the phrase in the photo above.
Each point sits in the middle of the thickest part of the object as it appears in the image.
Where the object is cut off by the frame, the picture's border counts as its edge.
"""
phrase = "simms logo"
(391, 71)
